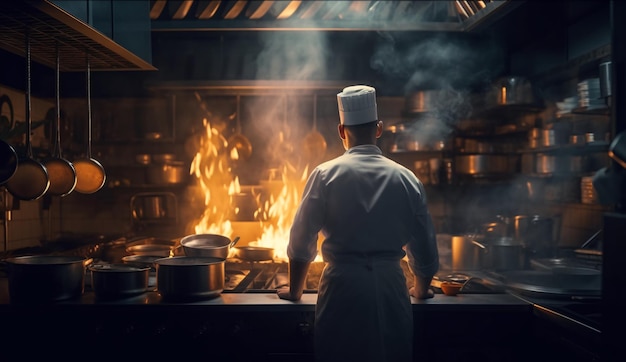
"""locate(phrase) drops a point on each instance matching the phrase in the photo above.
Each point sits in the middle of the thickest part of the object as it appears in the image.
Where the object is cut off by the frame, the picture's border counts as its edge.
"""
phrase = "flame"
(218, 186)
(279, 213)
(211, 168)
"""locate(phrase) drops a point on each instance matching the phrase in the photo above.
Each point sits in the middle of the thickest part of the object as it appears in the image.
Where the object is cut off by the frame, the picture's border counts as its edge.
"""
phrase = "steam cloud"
(451, 65)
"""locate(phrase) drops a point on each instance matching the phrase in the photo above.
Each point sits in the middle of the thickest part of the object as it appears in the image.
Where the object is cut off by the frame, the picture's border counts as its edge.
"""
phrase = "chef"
(372, 212)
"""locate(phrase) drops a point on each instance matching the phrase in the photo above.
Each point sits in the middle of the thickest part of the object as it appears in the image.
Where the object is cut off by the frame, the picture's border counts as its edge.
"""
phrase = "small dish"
(451, 288)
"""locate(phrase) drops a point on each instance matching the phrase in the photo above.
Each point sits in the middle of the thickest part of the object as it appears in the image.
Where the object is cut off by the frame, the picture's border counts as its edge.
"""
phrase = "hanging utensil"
(239, 146)
(90, 175)
(314, 142)
(30, 180)
(8, 156)
(61, 172)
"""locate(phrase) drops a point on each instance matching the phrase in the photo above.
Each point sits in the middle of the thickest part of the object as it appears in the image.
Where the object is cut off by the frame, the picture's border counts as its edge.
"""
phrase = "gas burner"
(264, 277)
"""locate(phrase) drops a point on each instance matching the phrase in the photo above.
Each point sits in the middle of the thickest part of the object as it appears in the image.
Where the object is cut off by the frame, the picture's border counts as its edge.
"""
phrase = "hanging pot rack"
(48, 24)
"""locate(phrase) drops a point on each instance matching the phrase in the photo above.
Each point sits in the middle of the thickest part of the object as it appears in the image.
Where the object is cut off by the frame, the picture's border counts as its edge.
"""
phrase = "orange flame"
(211, 166)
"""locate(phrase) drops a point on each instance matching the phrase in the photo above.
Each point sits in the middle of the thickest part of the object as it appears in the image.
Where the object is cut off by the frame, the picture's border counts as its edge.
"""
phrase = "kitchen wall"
(130, 104)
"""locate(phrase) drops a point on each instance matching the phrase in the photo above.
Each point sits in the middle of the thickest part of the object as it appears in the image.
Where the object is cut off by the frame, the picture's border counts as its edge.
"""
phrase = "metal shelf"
(263, 87)
(48, 24)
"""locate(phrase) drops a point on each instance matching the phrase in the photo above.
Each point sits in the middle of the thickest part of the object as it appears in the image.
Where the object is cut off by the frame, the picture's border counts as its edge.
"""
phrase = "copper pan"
(90, 175)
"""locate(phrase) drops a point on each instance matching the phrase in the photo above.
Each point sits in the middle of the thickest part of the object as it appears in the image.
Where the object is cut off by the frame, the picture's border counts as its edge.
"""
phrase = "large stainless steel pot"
(504, 253)
(422, 101)
(188, 278)
(481, 164)
(467, 254)
(548, 164)
(114, 281)
(170, 173)
(46, 278)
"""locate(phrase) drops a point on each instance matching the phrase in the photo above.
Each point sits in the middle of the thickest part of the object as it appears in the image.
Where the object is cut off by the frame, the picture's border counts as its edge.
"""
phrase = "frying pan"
(254, 253)
(30, 181)
(238, 141)
(314, 142)
(61, 172)
(90, 175)
(8, 156)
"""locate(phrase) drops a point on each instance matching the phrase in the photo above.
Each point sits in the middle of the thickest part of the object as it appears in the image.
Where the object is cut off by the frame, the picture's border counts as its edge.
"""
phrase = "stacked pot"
(163, 169)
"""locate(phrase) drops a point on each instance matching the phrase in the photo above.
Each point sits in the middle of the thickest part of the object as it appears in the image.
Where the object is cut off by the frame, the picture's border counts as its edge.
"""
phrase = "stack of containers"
(588, 194)
(589, 94)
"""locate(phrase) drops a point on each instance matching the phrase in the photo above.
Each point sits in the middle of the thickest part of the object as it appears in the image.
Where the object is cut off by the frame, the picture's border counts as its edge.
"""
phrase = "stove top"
(265, 277)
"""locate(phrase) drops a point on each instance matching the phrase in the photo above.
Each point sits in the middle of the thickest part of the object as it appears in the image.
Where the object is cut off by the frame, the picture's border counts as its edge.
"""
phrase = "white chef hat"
(357, 105)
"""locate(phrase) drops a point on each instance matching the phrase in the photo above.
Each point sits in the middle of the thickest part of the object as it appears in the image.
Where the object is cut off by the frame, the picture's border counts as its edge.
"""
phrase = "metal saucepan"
(46, 278)
(141, 260)
(143, 240)
(190, 278)
(254, 253)
(30, 180)
(8, 156)
(61, 172)
(239, 145)
(207, 245)
(160, 250)
(90, 175)
(113, 281)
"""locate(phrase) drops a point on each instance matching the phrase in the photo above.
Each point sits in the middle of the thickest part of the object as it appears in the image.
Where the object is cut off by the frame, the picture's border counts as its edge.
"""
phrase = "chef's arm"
(297, 276)
(421, 287)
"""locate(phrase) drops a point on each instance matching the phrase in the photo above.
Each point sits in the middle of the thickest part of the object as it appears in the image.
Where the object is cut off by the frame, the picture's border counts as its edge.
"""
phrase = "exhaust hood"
(267, 15)
(48, 24)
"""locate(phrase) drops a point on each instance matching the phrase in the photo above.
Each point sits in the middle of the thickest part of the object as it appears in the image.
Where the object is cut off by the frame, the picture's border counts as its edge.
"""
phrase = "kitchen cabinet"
(47, 24)
(125, 22)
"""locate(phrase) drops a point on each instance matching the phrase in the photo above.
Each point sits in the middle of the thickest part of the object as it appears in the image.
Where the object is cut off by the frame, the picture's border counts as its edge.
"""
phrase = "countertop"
(269, 301)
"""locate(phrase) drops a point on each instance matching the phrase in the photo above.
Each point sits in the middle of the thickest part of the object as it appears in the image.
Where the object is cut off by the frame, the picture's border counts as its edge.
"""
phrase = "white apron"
(363, 313)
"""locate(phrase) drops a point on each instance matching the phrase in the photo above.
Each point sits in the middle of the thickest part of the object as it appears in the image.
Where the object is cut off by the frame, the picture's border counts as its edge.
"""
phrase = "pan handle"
(234, 242)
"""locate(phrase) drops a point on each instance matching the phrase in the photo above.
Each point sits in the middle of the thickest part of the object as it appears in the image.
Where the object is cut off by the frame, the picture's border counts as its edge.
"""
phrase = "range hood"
(47, 25)
(267, 15)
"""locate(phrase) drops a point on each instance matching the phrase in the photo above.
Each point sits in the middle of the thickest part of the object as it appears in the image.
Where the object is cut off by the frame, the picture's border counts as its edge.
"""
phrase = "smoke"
(297, 57)
(436, 61)
(448, 66)
(283, 120)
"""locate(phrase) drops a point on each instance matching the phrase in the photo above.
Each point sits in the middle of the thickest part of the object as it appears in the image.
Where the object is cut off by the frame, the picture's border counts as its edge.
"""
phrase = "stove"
(265, 277)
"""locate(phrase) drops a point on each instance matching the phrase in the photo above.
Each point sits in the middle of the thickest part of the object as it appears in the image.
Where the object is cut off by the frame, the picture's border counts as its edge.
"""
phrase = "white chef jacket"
(368, 208)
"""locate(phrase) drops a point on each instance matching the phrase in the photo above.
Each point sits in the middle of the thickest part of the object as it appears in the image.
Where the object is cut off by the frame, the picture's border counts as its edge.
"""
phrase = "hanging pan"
(314, 142)
(61, 172)
(8, 156)
(90, 175)
(239, 145)
(30, 181)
